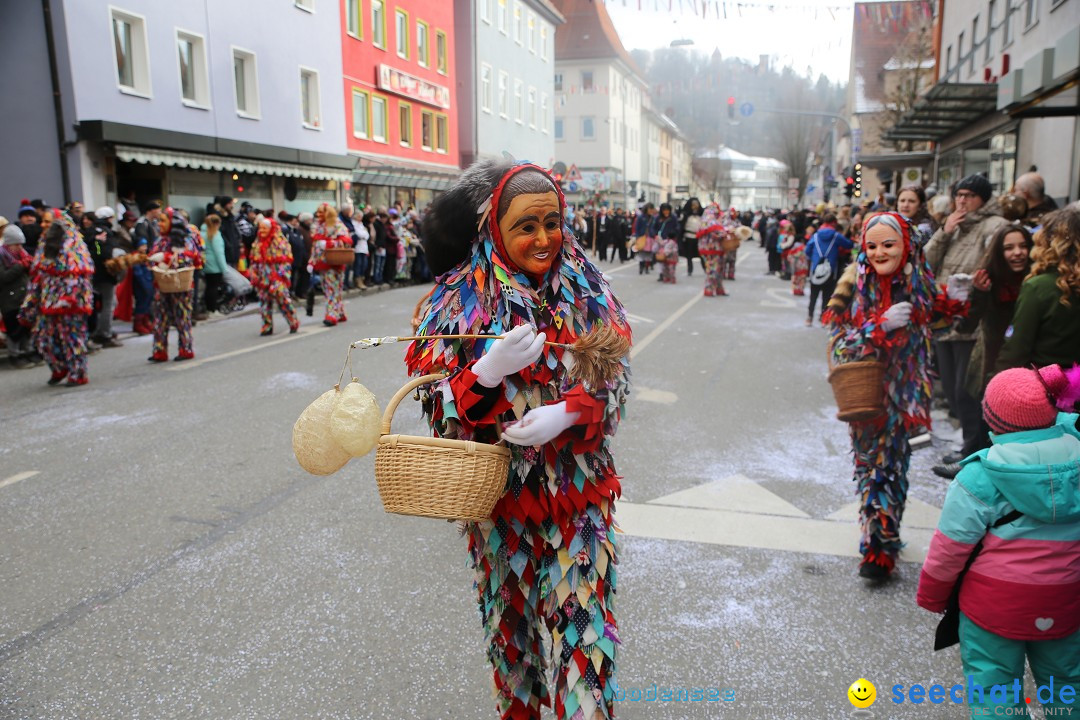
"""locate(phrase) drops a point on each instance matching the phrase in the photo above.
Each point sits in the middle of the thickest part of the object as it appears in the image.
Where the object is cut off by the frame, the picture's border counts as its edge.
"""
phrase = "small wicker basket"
(435, 477)
(859, 388)
(340, 256)
(172, 281)
(731, 243)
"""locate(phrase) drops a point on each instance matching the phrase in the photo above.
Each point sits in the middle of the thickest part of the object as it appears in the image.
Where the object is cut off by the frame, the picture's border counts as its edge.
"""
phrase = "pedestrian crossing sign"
(573, 174)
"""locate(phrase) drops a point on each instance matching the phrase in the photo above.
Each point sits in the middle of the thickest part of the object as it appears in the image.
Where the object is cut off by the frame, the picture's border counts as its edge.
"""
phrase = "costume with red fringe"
(711, 248)
(880, 445)
(59, 297)
(271, 268)
(325, 235)
(547, 556)
(174, 309)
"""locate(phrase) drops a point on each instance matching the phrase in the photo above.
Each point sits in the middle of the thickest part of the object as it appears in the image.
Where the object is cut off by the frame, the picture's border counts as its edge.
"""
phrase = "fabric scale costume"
(59, 298)
(180, 249)
(271, 269)
(856, 317)
(329, 232)
(711, 248)
(547, 556)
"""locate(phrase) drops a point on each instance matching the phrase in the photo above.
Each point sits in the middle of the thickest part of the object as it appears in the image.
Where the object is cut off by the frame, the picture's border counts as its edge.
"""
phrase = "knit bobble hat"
(1024, 398)
(12, 235)
(977, 184)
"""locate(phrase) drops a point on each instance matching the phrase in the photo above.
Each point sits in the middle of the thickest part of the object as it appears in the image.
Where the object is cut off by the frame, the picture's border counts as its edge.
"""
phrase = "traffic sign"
(573, 173)
(572, 187)
(746, 109)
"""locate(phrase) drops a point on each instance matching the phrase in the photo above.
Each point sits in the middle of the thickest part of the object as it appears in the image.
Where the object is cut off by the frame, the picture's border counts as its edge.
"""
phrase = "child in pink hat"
(1020, 598)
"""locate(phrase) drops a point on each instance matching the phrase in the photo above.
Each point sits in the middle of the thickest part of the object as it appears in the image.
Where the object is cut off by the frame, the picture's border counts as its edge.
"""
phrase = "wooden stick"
(396, 338)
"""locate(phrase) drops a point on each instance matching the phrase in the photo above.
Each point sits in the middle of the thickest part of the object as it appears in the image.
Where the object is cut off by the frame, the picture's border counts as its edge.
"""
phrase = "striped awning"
(201, 161)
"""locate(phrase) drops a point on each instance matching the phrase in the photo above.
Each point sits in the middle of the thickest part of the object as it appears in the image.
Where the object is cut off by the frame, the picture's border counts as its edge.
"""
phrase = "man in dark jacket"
(380, 225)
(101, 242)
(230, 233)
(1032, 188)
(31, 229)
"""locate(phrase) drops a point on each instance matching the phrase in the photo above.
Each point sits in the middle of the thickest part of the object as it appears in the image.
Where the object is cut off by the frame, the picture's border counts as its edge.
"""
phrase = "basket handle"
(829, 354)
(391, 407)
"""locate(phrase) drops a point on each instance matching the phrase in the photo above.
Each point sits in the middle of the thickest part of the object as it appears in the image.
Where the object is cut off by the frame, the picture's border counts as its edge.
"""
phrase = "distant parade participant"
(711, 248)
(731, 255)
(886, 315)
(175, 249)
(271, 268)
(664, 232)
(329, 232)
(59, 299)
(690, 223)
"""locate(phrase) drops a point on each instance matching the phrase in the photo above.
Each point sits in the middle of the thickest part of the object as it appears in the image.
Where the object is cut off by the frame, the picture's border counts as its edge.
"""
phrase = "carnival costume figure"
(175, 249)
(711, 248)
(271, 266)
(547, 556)
(885, 313)
(59, 298)
(800, 268)
(731, 255)
(329, 232)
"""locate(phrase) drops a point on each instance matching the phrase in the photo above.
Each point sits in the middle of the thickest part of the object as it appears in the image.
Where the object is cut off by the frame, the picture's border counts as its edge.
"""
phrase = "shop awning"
(401, 173)
(946, 108)
(200, 161)
(896, 161)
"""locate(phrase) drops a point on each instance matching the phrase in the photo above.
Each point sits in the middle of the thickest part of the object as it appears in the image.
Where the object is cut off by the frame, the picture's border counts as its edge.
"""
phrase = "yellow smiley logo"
(862, 693)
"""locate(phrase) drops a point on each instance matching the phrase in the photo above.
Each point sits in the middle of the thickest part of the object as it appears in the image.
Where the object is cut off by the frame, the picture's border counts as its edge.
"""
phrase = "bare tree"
(906, 76)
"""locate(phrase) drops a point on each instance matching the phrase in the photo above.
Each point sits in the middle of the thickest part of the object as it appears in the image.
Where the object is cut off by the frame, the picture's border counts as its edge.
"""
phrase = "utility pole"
(625, 136)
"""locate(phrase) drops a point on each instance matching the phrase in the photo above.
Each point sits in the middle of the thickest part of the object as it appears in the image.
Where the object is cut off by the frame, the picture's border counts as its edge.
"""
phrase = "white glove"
(310, 268)
(540, 426)
(518, 350)
(156, 257)
(958, 287)
(897, 316)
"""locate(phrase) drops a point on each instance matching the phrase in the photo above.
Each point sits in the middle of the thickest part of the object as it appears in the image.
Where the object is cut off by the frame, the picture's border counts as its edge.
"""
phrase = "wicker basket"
(859, 388)
(434, 477)
(731, 243)
(170, 282)
(340, 256)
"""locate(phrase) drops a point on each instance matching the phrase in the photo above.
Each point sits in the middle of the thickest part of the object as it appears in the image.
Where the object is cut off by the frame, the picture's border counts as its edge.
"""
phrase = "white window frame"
(140, 53)
(592, 119)
(519, 23)
(423, 57)
(486, 10)
(558, 82)
(366, 132)
(990, 8)
(502, 14)
(1031, 12)
(199, 69)
(1007, 33)
(378, 28)
(531, 112)
(558, 129)
(519, 101)
(530, 30)
(592, 81)
(251, 86)
(974, 42)
(401, 30)
(429, 115)
(544, 123)
(358, 7)
(305, 5)
(487, 87)
(311, 73)
(385, 118)
(504, 94)
(445, 120)
(543, 41)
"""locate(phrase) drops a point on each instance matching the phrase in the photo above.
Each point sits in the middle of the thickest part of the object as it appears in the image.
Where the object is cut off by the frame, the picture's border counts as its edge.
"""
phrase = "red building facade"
(400, 111)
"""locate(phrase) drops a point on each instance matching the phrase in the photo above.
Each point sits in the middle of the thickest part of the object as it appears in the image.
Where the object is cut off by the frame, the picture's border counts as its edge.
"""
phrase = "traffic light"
(858, 179)
(849, 186)
(731, 107)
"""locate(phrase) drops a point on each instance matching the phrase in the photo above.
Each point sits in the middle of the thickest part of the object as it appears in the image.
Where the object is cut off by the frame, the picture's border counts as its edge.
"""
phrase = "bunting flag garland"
(886, 15)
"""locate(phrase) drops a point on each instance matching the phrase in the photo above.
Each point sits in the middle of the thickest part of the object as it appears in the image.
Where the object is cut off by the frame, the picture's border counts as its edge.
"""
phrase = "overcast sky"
(797, 33)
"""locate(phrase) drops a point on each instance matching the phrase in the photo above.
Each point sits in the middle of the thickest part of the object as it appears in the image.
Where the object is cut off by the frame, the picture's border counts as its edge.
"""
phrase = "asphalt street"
(163, 556)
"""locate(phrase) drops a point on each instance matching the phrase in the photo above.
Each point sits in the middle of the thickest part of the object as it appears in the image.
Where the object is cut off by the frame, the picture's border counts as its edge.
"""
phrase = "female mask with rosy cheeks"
(530, 222)
(884, 246)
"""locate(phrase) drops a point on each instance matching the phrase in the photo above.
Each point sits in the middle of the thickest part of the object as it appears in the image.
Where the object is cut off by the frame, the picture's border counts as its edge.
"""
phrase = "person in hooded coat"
(271, 264)
(59, 299)
(508, 263)
(886, 314)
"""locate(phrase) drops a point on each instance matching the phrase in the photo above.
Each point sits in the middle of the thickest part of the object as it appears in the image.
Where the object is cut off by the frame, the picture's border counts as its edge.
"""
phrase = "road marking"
(18, 477)
(638, 318)
(738, 512)
(233, 353)
(620, 268)
(664, 325)
(657, 396)
(781, 297)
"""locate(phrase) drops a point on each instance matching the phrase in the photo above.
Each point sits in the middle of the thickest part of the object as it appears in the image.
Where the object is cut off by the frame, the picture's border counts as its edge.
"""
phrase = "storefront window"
(949, 169)
(1002, 161)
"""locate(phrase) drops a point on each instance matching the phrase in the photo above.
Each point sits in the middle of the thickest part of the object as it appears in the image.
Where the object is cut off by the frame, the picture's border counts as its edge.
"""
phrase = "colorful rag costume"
(271, 271)
(669, 249)
(547, 556)
(59, 297)
(174, 309)
(800, 268)
(880, 445)
(324, 236)
(711, 248)
(731, 255)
